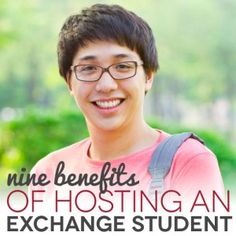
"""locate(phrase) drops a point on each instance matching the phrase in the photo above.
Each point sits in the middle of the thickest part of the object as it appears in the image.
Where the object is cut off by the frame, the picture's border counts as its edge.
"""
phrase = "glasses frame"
(105, 69)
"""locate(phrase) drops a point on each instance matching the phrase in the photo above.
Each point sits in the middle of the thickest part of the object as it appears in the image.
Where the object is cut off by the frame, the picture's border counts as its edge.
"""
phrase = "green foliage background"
(197, 54)
(33, 136)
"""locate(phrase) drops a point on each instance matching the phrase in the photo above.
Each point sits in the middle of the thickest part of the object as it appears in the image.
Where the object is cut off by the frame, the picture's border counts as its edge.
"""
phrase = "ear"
(149, 81)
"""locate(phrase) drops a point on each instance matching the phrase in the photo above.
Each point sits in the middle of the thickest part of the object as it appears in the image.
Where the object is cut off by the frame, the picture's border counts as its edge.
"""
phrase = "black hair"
(106, 23)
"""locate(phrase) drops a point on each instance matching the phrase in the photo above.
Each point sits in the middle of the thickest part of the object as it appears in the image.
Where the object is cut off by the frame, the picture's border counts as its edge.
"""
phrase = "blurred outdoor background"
(193, 90)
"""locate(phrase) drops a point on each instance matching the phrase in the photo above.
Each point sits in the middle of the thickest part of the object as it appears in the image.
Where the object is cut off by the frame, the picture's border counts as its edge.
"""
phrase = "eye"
(87, 68)
(124, 66)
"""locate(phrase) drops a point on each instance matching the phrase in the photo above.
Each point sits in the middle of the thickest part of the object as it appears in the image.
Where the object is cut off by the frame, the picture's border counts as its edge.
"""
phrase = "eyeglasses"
(118, 71)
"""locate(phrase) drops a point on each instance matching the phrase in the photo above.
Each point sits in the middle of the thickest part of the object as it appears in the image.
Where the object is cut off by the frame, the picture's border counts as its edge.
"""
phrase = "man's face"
(110, 104)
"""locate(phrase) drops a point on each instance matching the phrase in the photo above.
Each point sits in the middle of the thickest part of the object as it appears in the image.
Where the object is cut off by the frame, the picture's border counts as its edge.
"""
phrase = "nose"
(106, 83)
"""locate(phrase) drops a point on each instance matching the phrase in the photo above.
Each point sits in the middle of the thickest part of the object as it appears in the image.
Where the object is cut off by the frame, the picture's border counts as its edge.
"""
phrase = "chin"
(109, 125)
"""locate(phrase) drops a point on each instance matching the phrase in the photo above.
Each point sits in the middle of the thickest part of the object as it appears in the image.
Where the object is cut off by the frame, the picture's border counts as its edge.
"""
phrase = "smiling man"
(108, 82)
(108, 58)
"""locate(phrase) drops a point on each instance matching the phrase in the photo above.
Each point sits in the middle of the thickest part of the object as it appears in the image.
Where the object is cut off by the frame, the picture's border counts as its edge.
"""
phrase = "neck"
(112, 144)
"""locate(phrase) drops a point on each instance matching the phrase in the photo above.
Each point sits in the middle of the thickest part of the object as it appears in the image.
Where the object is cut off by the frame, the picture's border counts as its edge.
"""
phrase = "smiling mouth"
(108, 104)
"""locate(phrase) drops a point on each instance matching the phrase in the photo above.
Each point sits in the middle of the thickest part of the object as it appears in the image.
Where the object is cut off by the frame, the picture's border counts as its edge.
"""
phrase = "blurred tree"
(195, 40)
(225, 56)
(6, 32)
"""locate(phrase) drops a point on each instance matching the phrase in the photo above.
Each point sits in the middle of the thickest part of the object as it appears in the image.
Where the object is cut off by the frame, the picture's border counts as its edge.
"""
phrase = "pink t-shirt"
(194, 167)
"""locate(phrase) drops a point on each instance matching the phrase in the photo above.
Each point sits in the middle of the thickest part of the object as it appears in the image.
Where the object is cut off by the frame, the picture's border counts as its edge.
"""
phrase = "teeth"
(108, 104)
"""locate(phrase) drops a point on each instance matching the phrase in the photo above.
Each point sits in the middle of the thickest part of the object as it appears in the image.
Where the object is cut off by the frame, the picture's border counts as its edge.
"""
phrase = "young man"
(108, 58)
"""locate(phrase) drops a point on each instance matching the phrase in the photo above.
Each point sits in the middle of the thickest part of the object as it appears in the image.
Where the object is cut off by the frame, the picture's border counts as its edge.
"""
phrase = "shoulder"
(194, 158)
(190, 153)
(67, 154)
(194, 168)
(192, 148)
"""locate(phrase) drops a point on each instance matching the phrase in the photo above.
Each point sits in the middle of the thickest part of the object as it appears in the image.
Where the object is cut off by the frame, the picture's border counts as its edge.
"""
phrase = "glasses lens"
(123, 70)
(88, 72)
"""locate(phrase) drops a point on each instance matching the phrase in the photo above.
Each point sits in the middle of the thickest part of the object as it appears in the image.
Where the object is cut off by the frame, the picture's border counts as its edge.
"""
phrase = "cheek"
(81, 93)
(136, 86)
(77, 92)
(76, 87)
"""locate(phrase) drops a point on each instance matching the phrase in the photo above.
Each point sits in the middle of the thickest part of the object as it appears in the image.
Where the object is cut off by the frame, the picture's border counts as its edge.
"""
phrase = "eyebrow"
(91, 57)
(122, 55)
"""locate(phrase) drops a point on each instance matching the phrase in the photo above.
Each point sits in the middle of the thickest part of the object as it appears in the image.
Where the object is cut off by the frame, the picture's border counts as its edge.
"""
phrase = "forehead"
(104, 51)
